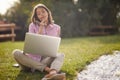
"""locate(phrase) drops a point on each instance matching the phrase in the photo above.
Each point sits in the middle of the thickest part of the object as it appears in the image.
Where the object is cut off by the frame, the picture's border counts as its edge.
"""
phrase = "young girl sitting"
(42, 23)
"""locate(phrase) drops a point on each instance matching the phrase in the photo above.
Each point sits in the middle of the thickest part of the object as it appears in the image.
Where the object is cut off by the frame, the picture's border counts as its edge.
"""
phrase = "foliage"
(65, 15)
(18, 14)
(79, 52)
(118, 22)
(74, 19)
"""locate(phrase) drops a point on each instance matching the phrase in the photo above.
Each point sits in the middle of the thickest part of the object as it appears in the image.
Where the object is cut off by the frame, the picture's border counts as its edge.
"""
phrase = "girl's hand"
(43, 23)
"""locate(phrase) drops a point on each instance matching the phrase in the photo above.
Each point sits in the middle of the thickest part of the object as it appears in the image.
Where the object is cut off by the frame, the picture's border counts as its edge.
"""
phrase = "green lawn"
(78, 53)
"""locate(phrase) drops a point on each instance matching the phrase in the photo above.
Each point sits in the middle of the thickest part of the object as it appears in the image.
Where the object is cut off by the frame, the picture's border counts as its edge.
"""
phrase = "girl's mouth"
(42, 18)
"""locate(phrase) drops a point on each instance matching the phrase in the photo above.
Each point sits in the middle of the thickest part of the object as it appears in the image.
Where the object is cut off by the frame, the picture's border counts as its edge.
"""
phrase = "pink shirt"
(51, 30)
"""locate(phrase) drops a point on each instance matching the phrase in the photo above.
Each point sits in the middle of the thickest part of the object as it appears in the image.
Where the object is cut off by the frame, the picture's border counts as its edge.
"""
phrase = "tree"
(97, 12)
(75, 19)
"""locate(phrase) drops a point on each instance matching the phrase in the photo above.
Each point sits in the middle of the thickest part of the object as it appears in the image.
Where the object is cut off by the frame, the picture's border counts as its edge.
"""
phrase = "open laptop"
(41, 44)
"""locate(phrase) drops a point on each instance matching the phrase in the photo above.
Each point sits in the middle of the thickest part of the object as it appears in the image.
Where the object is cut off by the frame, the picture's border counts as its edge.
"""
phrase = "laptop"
(41, 44)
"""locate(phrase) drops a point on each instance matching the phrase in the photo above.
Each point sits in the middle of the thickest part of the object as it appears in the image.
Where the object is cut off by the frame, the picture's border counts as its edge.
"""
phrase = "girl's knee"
(16, 52)
(61, 55)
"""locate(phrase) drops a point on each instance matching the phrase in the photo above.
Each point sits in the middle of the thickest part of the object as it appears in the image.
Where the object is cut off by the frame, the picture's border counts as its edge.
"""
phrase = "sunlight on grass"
(79, 52)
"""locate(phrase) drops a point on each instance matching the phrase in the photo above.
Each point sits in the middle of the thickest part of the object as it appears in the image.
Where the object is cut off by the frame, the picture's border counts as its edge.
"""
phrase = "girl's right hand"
(43, 23)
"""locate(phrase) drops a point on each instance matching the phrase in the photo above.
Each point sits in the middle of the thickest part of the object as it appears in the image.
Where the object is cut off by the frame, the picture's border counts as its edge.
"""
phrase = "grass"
(79, 52)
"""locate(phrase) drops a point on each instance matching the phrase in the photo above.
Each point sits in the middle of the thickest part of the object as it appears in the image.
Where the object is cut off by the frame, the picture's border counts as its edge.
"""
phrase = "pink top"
(51, 30)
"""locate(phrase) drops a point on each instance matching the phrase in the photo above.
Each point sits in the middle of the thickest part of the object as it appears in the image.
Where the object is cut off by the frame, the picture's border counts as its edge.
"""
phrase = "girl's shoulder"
(31, 24)
(55, 25)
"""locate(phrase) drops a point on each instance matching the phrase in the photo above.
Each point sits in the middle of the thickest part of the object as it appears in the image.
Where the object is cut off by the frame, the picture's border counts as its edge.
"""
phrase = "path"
(107, 67)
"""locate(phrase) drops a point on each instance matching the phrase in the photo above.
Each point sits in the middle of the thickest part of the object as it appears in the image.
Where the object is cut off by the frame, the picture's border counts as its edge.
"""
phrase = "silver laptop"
(41, 44)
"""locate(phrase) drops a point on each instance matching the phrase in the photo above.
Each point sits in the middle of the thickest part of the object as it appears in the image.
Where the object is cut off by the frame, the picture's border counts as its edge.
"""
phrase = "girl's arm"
(59, 32)
(40, 30)
(42, 24)
(31, 28)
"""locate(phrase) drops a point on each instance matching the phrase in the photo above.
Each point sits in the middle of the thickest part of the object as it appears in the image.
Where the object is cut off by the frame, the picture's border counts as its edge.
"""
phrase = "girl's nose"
(42, 14)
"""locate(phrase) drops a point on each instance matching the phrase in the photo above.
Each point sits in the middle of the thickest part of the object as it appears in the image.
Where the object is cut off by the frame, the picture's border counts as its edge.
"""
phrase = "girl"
(42, 23)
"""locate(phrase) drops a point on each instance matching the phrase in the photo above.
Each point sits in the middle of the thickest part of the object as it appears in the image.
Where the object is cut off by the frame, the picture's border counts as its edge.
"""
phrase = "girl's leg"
(55, 65)
(24, 68)
(24, 60)
(57, 62)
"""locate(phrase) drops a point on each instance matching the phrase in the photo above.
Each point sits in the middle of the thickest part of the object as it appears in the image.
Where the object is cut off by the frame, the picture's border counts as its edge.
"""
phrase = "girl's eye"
(43, 11)
(38, 13)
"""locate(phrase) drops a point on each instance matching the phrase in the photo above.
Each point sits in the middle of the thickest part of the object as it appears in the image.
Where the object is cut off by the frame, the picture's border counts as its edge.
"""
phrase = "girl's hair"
(34, 17)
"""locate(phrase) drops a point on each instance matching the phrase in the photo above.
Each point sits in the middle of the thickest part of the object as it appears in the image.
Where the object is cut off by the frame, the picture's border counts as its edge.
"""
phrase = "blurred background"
(76, 17)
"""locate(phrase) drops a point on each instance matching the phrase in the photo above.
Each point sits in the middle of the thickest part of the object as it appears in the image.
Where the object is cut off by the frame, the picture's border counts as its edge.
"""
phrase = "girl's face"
(42, 14)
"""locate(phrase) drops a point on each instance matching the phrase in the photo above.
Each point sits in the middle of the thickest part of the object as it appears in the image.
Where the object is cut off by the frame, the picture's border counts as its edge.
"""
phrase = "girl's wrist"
(41, 25)
(40, 29)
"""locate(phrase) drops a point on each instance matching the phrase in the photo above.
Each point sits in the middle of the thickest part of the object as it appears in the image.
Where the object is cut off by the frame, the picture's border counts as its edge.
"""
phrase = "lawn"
(79, 52)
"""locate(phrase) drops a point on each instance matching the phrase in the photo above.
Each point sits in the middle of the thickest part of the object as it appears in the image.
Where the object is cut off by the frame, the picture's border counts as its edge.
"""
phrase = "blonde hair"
(34, 17)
